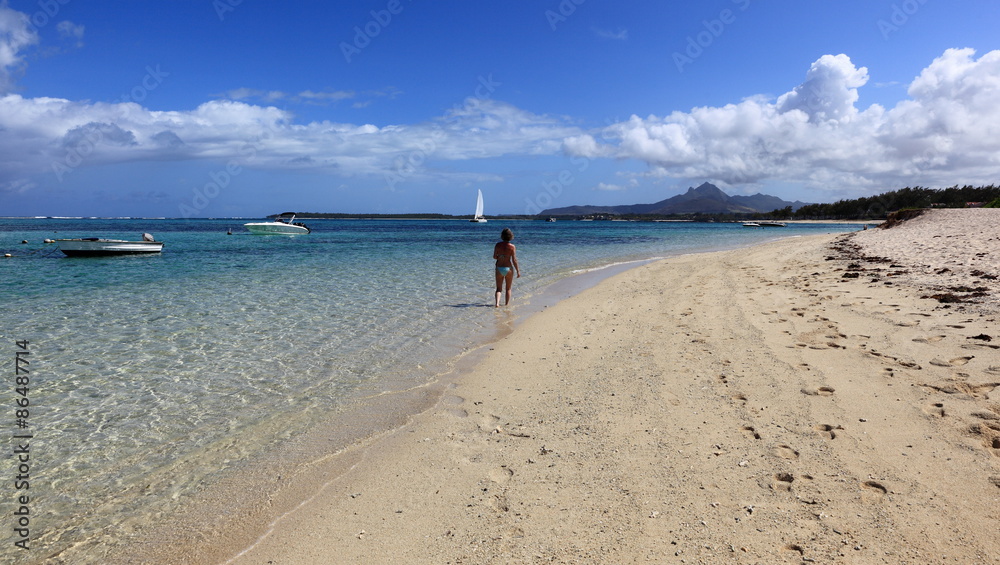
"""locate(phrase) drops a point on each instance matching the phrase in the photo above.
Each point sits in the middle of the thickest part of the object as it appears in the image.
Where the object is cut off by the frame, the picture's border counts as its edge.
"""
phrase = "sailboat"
(478, 218)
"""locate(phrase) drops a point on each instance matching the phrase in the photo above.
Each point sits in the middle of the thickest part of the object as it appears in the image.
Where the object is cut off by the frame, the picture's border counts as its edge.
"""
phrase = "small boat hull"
(278, 227)
(275, 228)
(96, 247)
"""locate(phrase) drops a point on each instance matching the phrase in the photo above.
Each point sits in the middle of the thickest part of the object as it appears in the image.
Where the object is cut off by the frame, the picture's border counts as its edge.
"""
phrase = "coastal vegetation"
(910, 197)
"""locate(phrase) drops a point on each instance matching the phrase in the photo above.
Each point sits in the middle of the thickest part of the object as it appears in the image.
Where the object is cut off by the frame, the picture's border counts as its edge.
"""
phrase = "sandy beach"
(801, 401)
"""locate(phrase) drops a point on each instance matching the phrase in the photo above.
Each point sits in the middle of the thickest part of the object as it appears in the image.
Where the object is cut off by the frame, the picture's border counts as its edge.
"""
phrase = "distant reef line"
(865, 208)
(344, 216)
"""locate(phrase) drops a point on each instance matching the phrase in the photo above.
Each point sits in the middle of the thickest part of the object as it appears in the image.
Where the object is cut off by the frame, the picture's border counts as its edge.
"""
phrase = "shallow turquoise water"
(139, 363)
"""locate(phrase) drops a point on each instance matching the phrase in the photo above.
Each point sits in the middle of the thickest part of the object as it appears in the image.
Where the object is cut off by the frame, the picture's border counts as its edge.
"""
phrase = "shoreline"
(491, 456)
(643, 437)
(179, 473)
(386, 407)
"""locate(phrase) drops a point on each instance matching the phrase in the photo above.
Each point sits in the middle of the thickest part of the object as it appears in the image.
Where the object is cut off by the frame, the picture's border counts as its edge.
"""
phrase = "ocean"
(135, 385)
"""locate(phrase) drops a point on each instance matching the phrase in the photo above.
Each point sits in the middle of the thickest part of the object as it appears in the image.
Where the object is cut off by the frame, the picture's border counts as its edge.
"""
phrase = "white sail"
(479, 209)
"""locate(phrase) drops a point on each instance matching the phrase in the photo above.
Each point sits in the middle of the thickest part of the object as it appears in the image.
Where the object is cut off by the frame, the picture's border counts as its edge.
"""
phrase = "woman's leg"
(510, 281)
(499, 287)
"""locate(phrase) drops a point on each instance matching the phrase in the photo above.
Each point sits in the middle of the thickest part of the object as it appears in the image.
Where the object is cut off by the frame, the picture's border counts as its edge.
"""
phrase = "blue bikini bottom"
(502, 271)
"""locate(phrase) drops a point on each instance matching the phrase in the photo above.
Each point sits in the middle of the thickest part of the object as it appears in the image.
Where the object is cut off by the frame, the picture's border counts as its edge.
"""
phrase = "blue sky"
(243, 107)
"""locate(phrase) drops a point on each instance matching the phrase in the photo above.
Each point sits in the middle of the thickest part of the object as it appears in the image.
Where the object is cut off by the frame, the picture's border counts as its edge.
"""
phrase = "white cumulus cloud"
(829, 92)
(946, 132)
(43, 135)
(15, 34)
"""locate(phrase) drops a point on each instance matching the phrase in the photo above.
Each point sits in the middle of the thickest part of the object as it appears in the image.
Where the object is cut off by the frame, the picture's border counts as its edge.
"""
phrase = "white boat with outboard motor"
(763, 224)
(97, 246)
(278, 227)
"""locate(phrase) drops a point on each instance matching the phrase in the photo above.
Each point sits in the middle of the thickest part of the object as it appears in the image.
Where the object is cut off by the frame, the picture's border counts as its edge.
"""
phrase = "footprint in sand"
(977, 391)
(935, 409)
(501, 475)
(782, 481)
(994, 445)
(992, 416)
(874, 489)
(451, 401)
(739, 398)
(795, 548)
(973, 390)
(989, 429)
(499, 503)
(489, 423)
(821, 391)
(750, 432)
(929, 339)
(956, 362)
(785, 452)
(827, 431)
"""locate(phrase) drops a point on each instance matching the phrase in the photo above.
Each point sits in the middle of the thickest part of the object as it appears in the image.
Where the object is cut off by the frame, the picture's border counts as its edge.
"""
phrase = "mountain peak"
(704, 199)
(705, 191)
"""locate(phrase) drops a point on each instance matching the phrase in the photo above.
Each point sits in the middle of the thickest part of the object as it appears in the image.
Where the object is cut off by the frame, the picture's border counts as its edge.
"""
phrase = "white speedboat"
(95, 246)
(277, 227)
(751, 225)
(478, 218)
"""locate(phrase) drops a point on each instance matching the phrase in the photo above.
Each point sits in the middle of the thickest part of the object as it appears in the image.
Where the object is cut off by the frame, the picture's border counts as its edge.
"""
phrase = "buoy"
(48, 241)
(24, 241)
(6, 255)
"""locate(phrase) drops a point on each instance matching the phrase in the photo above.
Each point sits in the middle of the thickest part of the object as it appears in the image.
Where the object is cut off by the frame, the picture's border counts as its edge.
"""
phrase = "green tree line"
(910, 197)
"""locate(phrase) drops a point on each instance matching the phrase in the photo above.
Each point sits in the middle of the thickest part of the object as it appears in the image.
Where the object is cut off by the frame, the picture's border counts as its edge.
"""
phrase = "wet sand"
(747, 406)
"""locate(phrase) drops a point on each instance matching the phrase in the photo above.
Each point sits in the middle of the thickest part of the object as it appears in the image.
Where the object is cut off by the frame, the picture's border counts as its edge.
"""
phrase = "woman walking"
(506, 256)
